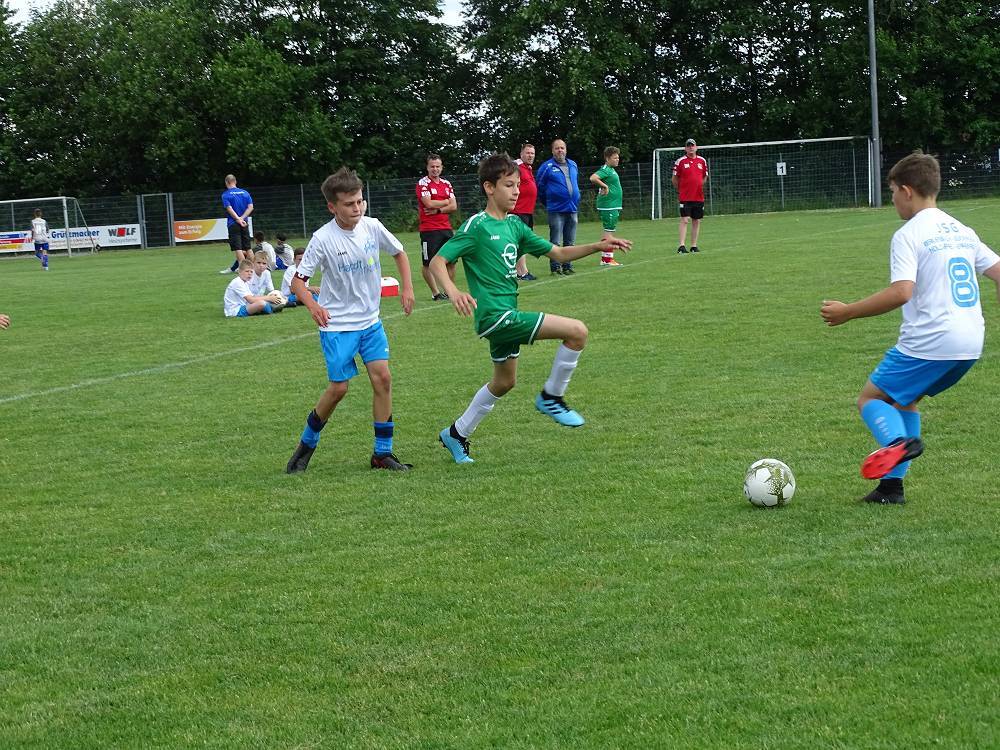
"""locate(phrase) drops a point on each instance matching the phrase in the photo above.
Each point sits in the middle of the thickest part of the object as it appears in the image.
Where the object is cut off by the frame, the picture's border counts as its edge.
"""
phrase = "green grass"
(164, 584)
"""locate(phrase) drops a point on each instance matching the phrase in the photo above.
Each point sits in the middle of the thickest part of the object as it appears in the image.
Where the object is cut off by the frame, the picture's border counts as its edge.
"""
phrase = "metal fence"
(298, 210)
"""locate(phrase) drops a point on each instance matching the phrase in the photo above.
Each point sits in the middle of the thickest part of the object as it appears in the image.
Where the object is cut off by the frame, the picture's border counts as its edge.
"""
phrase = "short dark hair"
(433, 157)
(342, 182)
(611, 151)
(280, 236)
(918, 171)
(298, 251)
(259, 236)
(495, 166)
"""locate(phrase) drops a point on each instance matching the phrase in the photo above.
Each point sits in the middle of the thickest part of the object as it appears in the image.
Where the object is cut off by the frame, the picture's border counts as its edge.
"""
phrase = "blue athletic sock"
(884, 421)
(383, 437)
(314, 425)
(911, 422)
(45, 261)
(233, 268)
(267, 308)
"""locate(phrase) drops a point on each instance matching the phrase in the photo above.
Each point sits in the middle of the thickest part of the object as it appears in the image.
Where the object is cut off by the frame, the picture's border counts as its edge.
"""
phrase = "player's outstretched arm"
(836, 313)
(463, 302)
(301, 292)
(575, 252)
(406, 297)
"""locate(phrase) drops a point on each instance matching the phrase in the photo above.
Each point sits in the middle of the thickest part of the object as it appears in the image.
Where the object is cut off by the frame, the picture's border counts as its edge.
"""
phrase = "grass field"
(164, 584)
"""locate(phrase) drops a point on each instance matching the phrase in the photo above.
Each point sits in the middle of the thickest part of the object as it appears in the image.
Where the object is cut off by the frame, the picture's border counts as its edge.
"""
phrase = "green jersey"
(489, 249)
(613, 200)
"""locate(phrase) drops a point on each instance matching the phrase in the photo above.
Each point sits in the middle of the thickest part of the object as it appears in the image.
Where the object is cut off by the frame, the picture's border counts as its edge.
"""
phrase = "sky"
(451, 9)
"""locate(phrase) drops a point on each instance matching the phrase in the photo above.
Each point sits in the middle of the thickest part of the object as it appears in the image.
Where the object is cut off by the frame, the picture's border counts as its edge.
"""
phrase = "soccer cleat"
(555, 407)
(556, 270)
(885, 498)
(440, 297)
(568, 270)
(457, 447)
(527, 277)
(694, 249)
(884, 460)
(681, 250)
(611, 264)
(389, 461)
(300, 459)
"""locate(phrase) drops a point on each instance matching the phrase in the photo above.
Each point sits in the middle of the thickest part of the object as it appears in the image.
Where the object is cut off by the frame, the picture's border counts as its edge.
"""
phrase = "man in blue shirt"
(238, 205)
(559, 190)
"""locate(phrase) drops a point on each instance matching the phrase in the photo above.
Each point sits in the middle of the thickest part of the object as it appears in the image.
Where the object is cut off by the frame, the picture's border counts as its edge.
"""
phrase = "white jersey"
(235, 297)
(286, 280)
(39, 230)
(943, 319)
(351, 288)
(261, 285)
(268, 249)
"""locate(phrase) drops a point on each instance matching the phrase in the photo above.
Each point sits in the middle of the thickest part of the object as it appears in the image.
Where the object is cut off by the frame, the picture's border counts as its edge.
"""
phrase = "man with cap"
(689, 176)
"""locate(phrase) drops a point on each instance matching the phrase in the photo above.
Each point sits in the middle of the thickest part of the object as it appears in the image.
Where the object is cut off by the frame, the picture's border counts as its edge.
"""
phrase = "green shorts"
(609, 219)
(509, 331)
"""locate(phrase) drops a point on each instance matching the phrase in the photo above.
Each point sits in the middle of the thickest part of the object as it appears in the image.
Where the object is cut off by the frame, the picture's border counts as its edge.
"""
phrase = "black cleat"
(556, 270)
(682, 250)
(888, 492)
(389, 461)
(300, 459)
(568, 270)
(694, 249)
(440, 297)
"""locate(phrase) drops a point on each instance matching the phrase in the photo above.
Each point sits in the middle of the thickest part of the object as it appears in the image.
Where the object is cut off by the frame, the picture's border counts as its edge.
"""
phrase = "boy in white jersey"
(489, 245)
(286, 280)
(261, 283)
(346, 250)
(40, 235)
(283, 251)
(240, 301)
(933, 262)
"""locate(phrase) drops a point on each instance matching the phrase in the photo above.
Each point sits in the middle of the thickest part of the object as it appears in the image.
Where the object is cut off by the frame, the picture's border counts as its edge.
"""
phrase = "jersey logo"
(509, 255)
(494, 237)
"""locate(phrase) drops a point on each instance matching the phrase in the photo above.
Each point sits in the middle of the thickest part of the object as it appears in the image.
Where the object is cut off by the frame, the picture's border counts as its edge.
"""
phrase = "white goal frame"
(659, 190)
(68, 204)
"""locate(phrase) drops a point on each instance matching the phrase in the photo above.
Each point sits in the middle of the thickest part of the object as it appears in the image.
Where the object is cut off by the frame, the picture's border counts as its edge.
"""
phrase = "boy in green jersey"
(489, 245)
(609, 201)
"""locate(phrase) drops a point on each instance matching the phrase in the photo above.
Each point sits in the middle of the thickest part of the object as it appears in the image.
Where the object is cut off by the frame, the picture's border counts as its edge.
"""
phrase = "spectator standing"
(524, 209)
(689, 176)
(239, 205)
(558, 188)
(435, 200)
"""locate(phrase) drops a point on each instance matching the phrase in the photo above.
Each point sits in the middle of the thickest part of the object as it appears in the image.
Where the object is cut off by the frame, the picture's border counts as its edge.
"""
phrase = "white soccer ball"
(769, 483)
(282, 299)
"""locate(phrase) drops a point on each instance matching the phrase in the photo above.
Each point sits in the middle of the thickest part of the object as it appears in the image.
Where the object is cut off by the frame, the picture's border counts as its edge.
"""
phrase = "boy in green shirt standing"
(609, 201)
(489, 245)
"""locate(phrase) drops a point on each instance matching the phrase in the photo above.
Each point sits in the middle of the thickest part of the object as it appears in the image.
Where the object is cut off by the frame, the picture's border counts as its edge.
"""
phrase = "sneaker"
(440, 297)
(300, 459)
(694, 249)
(556, 271)
(681, 250)
(567, 270)
(882, 461)
(389, 461)
(457, 447)
(226, 270)
(555, 407)
(527, 277)
(611, 264)
(885, 498)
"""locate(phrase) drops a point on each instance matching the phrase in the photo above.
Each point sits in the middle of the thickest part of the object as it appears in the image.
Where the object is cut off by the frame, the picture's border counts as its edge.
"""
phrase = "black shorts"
(694, 209)
(239, 237)
(528, 219)
(431, 242)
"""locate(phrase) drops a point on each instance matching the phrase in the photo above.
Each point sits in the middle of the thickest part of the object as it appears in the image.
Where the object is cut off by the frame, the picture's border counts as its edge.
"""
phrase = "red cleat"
(884, 460)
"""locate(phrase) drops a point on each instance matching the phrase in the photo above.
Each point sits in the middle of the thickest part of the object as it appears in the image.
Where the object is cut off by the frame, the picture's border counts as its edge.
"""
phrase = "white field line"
(668, 252)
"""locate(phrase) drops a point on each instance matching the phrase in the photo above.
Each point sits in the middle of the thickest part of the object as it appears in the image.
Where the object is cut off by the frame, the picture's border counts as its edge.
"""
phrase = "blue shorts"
(339, 348)
(41, 246)
(906, 378)
(243, 312)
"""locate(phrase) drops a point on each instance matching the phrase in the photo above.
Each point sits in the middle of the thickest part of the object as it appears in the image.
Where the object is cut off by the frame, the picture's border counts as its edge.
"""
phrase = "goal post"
(772, 176)
(68, 228)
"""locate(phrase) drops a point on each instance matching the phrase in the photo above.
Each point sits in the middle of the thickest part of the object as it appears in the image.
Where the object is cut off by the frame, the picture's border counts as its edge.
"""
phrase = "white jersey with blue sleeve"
(351, 287)
(941, 256)
(235, 297)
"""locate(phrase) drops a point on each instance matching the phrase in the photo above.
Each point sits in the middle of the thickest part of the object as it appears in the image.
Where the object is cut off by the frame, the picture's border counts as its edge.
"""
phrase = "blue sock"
(383, 437)
(314, 425)
(45, 261)
(267, 308)
(911, 421)
(233, 268)
(884, 421)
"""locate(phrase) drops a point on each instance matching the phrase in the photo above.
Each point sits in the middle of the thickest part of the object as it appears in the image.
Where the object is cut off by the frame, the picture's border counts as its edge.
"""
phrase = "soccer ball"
(769, 483)
(282, 299)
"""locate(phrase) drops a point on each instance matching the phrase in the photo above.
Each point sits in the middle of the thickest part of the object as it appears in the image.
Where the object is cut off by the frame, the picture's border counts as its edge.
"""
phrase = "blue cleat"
(457, 447)
(556, 408)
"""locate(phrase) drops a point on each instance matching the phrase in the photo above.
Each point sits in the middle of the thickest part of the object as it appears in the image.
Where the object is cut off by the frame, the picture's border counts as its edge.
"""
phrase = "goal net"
(67, 226)
(772, 176)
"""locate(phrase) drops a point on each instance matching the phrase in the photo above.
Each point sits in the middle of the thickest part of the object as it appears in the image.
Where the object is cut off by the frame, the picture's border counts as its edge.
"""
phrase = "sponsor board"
(202, 230)
(108, 235)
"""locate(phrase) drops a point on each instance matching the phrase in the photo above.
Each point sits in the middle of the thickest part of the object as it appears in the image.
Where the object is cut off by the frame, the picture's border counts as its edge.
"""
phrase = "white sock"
(562, 370)
(481, 405)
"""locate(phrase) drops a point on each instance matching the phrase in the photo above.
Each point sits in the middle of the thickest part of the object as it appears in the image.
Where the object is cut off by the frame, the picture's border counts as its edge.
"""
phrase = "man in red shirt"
(524, 209)
(689, 176)
(435, 200)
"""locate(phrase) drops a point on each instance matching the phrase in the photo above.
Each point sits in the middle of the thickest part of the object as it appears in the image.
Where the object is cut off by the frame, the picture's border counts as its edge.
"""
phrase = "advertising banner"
(15, 242)
(109, 235)
(202, 230)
